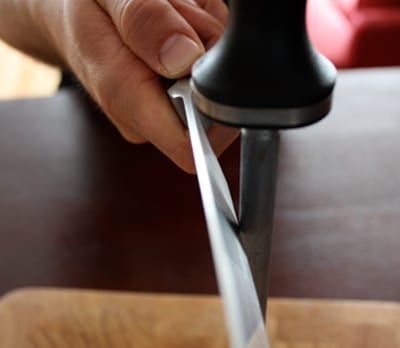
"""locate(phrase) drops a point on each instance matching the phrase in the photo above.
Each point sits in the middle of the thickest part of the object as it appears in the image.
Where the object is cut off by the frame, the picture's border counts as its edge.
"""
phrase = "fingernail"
(178, 53)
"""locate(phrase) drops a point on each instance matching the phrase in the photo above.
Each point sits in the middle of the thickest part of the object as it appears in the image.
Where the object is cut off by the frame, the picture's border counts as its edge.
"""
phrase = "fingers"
(208, 27)
(125, 85)
(141, 111)
(167, 35)
(126, 89)
(156, 33)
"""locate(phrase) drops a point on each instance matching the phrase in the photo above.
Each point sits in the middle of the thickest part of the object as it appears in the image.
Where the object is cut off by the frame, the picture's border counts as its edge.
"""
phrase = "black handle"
(265, 60)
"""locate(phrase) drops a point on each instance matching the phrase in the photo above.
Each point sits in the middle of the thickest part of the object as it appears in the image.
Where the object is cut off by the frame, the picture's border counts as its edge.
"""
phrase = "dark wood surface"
(80, 207)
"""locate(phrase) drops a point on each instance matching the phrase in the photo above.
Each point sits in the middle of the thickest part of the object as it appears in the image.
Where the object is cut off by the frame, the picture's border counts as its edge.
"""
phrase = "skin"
(118, 49)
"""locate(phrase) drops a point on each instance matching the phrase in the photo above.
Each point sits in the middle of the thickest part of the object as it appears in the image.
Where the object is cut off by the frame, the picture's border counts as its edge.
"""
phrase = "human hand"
(119, 48)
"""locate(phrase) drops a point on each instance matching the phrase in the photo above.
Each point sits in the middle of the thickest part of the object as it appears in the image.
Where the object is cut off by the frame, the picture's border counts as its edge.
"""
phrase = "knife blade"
(243, 316)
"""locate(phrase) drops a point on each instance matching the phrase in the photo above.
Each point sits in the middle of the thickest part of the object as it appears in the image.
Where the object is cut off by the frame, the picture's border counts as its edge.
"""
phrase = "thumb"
(157, 33)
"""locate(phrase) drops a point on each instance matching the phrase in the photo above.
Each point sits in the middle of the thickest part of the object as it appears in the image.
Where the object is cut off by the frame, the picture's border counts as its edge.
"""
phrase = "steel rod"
(258, 172)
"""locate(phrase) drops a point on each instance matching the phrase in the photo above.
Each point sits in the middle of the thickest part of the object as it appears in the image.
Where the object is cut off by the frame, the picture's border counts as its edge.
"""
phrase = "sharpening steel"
(263, 75)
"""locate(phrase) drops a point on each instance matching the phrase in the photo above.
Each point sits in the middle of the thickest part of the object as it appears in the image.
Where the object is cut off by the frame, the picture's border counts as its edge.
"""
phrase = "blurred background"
(22, 76)
(351, 33)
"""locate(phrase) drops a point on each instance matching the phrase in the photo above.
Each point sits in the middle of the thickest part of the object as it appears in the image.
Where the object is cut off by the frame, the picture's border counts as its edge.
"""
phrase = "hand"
(119, 48)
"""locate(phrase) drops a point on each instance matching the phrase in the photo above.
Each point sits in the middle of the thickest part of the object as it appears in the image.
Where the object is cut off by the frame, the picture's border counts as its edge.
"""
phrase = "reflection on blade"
(242, 311)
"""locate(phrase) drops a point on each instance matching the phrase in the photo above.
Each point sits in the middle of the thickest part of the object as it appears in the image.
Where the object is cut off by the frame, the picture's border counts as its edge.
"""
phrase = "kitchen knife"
(262, 75)
(245, 324)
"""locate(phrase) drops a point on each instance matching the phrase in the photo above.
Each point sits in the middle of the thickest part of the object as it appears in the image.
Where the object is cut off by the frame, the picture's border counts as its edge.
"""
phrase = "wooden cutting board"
(55, 318)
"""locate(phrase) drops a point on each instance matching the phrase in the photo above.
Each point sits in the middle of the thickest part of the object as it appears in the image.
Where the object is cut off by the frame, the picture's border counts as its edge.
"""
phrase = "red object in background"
(356, 33)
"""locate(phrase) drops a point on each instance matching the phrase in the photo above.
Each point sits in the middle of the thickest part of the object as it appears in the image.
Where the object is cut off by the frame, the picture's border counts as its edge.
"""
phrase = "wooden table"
(80, 207)
(48, 318)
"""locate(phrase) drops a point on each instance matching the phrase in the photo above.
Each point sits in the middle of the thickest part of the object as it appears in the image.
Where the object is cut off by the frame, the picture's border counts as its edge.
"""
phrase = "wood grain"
(22, 76)
(51, 318)
(48, 318)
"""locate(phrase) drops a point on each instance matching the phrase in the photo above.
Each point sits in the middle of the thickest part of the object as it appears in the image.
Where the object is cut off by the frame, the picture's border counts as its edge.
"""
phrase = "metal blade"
(244, 320)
